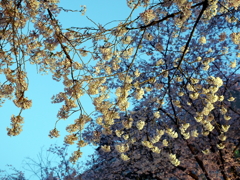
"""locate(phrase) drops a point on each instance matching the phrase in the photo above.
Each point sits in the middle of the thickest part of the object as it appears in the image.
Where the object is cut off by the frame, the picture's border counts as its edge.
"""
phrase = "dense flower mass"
(163, 84)
(148, 16)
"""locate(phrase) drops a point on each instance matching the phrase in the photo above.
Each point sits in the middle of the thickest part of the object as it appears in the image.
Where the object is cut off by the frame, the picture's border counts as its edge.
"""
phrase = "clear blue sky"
(40, 119)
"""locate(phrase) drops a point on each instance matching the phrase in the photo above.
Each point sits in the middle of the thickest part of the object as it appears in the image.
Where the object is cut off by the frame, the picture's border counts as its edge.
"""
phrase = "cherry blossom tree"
(51, 164)
(147, 154)
(162, 83)
(14, 175)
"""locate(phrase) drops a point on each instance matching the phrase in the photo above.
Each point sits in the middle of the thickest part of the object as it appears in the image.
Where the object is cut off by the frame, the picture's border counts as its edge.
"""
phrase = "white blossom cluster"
(106, 52)
(172, 133)
(148, 16)
(158, 94)
(106, 148)
(122, 148)
(140, 125)
(173, 159)
(139, 93)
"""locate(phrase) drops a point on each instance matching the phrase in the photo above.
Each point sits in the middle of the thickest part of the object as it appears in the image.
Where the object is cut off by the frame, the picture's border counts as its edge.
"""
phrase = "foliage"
(152, 158)
(15, 175)
(162, 84)
(52, 164)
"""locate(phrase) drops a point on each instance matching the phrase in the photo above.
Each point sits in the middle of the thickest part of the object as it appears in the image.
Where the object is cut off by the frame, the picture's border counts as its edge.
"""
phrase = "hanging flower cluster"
(163, 85)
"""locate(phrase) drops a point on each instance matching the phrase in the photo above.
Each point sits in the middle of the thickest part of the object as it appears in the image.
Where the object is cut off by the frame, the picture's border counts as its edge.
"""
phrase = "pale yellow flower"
(233, 64)
(194, 133)
(126, 136)
(220, 146)
(54, 133)
(220, 98)
(223, 110)
(165, 142)
(156, 150)
(222, 137)
(205, 133)
(140, 125)
(227, 118)
(160, 62)
(177, 103)
(184, 127)
(181, 93)
(208, 126)
(106, 148)
(198, 118)
(173, 159)
(160, 132)
(190, 87)
(231, 99)
(121, 148)
(147, 144)
(127, 40)
(194, 96)
(81, 143)
(69, 139)
(207, 151)
(225, 128)
(124, 157)
(202, 40)
(155, 139)
(186, 135)
(156, 114)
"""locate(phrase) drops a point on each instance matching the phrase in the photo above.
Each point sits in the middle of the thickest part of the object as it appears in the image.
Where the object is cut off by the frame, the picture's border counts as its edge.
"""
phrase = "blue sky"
(40, 119)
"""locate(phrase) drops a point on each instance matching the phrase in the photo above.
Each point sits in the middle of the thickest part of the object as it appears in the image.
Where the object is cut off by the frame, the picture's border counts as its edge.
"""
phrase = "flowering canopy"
(176, 64)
